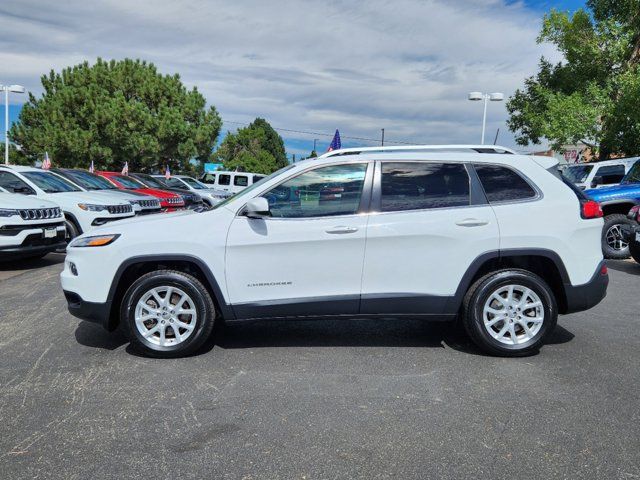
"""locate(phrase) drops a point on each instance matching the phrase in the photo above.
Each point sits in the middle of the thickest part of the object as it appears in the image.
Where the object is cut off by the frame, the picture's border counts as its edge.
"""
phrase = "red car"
(168, 201)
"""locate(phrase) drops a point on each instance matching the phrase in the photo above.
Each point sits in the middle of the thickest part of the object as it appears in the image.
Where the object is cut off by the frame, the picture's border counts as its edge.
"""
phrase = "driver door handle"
(341, 230)
(472, 222)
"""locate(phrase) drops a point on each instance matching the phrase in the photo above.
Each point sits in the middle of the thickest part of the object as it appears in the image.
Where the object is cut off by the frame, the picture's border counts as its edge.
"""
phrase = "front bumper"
(629, 233)
(31, 241)
(89, 311)
(583, 297)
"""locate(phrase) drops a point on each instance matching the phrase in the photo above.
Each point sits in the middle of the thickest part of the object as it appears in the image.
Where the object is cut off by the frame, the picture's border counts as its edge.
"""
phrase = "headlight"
(95, 241)
(5, 212)
(92, 208)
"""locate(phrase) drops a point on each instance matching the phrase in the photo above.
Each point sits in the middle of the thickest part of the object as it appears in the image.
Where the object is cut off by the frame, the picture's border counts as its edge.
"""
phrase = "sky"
(305, 65)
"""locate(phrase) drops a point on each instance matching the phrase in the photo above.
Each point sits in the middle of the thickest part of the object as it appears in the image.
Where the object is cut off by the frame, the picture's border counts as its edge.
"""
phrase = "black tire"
(479, 293)
(634, 250)
(71, 231)
(608, 250)
(203, 303)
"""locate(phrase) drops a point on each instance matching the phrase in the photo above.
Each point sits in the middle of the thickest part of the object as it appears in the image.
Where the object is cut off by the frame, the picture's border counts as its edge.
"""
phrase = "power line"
(303, 132)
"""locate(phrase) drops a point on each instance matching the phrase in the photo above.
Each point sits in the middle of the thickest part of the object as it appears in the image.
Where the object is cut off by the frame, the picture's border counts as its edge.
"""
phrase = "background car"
(82, 210)
(616, 201)
(233, 182)
(29, 227)
(191, 200)
(598, 174)
(142, 204)
(169, 201)
(631, 233)
(210, 196)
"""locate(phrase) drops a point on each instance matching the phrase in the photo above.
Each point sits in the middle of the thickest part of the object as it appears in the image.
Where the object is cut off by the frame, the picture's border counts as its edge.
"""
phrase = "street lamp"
(7, 89)
(494, 97)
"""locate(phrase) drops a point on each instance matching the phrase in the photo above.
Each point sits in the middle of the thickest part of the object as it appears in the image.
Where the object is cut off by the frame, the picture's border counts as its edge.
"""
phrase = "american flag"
(125, 169)
(46, 163)
(91, 167)
(167, 173)
(335, 143)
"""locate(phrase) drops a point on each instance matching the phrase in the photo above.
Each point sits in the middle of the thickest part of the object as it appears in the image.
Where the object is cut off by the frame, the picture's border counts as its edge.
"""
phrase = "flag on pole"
(335, 143)
(91, 167)
(167, 173)
(125, 169)
(46, 163)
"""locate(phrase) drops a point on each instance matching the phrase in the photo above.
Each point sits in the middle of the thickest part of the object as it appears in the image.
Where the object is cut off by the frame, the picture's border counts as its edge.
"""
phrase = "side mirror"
(597, 180)
(257, 208)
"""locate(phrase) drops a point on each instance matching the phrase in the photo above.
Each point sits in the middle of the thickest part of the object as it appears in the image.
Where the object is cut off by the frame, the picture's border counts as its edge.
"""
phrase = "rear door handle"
(472, 222)
(341, 230)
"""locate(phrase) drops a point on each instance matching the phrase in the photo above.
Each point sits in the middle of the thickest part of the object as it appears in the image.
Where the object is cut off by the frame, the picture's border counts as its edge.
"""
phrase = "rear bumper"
(584, 297)
(89, 311)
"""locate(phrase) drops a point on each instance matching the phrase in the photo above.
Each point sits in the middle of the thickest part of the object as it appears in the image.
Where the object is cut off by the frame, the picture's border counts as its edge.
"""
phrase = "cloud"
(405, 65)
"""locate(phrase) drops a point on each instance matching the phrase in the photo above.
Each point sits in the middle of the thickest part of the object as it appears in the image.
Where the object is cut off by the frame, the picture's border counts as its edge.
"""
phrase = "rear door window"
(241, 181)
(501, 184)
(224, 179)
(611, 174)
(422, 185)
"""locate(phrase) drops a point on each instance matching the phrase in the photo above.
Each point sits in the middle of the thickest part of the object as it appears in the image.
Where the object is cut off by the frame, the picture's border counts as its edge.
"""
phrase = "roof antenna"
(496, 139)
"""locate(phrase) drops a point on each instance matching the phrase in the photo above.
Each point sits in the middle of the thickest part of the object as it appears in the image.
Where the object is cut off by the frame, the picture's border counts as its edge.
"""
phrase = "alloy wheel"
(513, 314)
(165, 316)
(614, 238)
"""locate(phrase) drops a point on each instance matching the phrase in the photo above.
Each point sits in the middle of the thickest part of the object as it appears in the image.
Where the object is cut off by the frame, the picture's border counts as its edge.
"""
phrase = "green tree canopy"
(592, 95)
(255, 148)
(115, 112)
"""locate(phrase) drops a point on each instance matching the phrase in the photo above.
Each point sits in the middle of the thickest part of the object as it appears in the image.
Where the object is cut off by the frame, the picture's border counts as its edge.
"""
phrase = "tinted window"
(174, 183)
(419, 185)
(611, 174)
(209, 178)
(634, 174)
(325, 191)
(241, 180)
(502, 184)
(193, 183)
(224, 179)
(257, 178)
(578, 173)
(51, 183)
(11, 183)
(150, 181)
(89, 180)
(128, 182)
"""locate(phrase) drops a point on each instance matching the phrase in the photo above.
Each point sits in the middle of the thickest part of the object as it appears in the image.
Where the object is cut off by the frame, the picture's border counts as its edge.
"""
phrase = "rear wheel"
(167, 314)
(613, 244)
(509, 312)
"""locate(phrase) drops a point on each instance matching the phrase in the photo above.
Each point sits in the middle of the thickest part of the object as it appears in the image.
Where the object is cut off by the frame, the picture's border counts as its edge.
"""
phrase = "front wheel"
(167, 314)
(509, 312)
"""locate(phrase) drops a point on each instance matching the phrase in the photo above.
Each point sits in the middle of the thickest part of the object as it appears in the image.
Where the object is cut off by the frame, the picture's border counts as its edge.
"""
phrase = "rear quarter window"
(501, 184)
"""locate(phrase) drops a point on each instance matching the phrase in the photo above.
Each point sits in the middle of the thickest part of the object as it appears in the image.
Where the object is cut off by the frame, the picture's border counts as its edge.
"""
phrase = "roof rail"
(422, 148)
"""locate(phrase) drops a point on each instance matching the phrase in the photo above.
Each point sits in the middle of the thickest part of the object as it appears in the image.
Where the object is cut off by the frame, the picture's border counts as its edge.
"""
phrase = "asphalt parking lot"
(315, 400)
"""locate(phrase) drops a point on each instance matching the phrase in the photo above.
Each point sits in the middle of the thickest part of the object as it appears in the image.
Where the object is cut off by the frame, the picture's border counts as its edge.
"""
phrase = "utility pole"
(7, 89)
(382, 142)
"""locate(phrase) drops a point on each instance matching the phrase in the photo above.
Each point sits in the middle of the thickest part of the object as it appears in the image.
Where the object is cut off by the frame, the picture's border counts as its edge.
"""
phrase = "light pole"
(494, 97)
(7, 89)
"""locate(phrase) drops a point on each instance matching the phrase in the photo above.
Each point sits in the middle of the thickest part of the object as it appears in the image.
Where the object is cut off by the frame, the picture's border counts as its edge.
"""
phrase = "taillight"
(590, 209)
(634, 213)
(604, 270)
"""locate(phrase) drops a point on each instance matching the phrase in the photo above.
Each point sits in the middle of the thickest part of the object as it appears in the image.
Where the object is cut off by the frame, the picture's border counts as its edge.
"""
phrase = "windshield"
(152, 182)
(634, 174)
(253, 187)
(128, 182)
(193, 183)
(578, 173)
(89, 180)
(51, 183)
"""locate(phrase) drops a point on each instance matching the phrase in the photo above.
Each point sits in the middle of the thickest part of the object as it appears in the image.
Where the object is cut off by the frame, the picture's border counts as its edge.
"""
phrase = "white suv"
(29, 227)
(82, 210)
(498, 240)
(233, 182)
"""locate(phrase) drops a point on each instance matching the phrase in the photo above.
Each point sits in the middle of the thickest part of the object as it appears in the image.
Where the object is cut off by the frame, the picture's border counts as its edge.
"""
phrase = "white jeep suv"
(82, 210)
(493, 238)
(29, 227)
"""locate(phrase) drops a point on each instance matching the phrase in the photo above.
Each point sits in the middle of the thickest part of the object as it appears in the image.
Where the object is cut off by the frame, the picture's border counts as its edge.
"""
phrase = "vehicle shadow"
(386, 332)
(624, 266)
(32, 263)
(93, 335)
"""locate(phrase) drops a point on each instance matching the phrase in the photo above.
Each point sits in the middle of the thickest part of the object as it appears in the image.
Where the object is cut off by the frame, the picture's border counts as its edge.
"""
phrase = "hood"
(128, 194)
(606, 193)
(18, 201)
(155, 192)
(117, 196)
(97, 198)
(146, 222)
